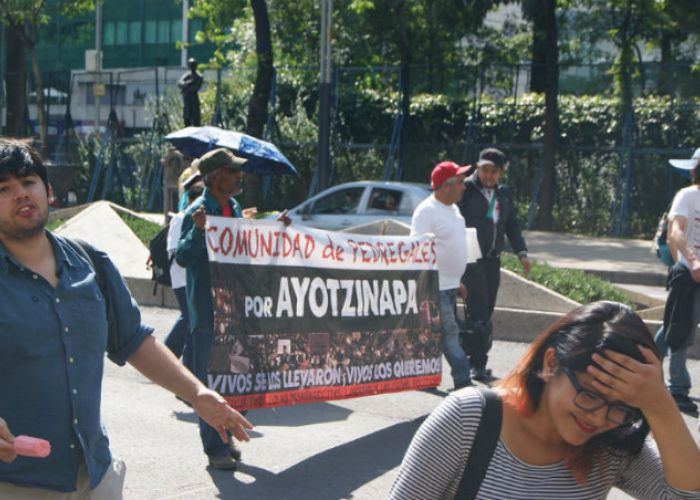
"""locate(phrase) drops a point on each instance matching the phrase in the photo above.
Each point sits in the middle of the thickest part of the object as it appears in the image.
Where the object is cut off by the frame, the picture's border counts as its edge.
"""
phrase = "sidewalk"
(347, 449)
(615, 259)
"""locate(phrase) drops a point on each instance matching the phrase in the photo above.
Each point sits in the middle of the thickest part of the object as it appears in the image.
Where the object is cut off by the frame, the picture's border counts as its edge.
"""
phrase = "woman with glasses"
(577, 411)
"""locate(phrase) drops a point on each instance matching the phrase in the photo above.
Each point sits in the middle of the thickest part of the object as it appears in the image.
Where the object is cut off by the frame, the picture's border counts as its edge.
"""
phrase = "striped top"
(435, 460)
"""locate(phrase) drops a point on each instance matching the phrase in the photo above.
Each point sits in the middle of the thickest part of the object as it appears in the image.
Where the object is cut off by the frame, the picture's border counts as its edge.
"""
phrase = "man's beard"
(26, 233)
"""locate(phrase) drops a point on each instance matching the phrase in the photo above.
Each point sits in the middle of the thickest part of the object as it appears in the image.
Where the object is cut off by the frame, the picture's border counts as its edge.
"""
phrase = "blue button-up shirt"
(192, 255)
(52, 345)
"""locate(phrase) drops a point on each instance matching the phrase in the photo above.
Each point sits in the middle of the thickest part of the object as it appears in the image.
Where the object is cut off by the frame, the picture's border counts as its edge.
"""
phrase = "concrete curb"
(519, 325)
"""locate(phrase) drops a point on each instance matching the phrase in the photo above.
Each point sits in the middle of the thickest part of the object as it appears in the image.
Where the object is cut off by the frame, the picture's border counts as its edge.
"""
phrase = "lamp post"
(324, 110)
(98, 63)
(185, 33)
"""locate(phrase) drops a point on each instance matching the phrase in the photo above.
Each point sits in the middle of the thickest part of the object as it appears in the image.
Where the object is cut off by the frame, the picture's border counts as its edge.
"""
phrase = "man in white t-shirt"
(684, 284)
(179, 339)
(439, 215)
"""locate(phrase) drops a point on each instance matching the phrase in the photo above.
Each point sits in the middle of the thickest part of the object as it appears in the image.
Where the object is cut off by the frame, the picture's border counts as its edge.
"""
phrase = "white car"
(361, 202)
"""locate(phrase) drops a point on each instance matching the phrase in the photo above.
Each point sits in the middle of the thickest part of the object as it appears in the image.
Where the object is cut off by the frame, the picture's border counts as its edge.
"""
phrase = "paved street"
(337, 450)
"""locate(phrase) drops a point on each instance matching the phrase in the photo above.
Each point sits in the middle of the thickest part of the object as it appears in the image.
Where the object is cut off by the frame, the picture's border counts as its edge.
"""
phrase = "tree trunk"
(551, 118)
(40, 108)
(15, 84)
(536, 11)
(404, 46)
(665, 76)
(257, 108)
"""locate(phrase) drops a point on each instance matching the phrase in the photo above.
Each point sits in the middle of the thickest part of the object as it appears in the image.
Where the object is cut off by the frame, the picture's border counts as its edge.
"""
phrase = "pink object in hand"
(28, 446)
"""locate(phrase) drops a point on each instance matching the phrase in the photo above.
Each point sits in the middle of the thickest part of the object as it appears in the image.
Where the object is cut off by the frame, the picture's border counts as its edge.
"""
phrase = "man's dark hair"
(695, 173)
(19, 159)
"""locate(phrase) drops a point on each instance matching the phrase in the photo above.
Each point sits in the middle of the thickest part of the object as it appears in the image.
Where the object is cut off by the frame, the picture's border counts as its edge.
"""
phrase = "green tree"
(24, 18)
(412, 32)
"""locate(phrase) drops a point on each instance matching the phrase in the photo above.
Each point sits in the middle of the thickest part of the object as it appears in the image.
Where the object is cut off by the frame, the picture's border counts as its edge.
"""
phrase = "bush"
(574, 284)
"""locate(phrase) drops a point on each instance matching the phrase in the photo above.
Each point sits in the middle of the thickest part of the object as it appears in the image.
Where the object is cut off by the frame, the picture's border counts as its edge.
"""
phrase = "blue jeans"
(179, 340)
(679, 378)
(451, 346)
(201, 342)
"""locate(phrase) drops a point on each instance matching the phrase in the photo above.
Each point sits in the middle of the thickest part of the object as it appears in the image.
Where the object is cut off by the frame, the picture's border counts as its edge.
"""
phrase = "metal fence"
(616, 188)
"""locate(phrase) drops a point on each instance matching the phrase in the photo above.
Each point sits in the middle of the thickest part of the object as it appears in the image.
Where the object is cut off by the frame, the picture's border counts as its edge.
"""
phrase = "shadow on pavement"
(332, 474)
(298, 415)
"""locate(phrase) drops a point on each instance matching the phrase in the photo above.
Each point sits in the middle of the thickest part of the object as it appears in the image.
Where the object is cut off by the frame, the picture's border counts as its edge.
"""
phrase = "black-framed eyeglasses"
(589, 401)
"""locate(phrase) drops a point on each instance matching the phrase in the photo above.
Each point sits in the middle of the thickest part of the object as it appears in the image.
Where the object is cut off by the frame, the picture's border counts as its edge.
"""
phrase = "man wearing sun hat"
(222, 176)
(438, 214)
(486, 205)
(682, 310)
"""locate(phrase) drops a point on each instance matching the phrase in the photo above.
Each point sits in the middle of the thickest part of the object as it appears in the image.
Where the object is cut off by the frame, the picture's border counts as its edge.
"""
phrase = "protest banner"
(304, 315)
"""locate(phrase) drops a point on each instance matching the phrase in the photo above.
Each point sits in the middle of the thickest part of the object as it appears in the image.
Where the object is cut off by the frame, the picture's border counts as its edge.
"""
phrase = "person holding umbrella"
(222, 174)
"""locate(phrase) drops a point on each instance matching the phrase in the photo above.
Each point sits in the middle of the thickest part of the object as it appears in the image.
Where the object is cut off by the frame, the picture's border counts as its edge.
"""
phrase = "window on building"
(176, 30)
(120, 36)
(151, 32)
(195, 26)
(108, 34)
(135, 32)
(164, 31)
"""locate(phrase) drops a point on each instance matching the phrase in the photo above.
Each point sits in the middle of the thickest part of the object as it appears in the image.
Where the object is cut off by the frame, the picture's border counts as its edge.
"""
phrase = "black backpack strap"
(90, 254)
(484, 444)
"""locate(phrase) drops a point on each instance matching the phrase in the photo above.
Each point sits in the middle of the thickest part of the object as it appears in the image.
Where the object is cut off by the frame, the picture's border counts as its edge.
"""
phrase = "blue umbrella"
(263, 157)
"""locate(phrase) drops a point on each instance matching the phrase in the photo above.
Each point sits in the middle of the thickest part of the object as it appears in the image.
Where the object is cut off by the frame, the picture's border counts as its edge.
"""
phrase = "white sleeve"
(174, 232)
(642, 476)
(435, 460)
(681, 204)
(421, 222)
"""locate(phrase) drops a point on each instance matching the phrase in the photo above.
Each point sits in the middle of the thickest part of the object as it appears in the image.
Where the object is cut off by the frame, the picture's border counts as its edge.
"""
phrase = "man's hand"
(695, 270)
(213, 409)
(199, 217)
(284, 218)
(525, 262)
(7, 451)
(250, 213)
(462, 291)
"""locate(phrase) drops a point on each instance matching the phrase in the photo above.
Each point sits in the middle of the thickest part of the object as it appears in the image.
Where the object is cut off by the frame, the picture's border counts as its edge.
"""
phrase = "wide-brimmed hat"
(187, 183)
(684, 164)
(219, 158)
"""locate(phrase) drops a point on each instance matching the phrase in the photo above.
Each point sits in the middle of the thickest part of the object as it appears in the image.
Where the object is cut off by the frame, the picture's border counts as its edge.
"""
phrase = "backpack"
(660, 244)
(159, 260)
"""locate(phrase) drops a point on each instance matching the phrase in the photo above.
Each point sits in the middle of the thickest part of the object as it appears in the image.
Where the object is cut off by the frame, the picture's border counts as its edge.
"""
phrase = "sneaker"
(685, 404)
(234, 450)
(224, 462)
(481, 374)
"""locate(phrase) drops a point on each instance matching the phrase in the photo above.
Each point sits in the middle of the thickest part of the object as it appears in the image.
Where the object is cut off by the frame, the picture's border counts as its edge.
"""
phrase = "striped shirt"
(435, 460)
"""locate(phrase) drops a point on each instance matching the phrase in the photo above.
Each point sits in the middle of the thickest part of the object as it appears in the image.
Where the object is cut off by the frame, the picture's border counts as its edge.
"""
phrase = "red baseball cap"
(444, 171)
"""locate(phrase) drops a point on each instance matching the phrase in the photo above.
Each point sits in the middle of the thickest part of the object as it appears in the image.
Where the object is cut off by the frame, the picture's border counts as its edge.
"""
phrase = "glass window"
(151, 32)
(108, 34)
(385, 200)
(135, 32)
(163, 31)
(195, 26)
(176, 30)
(120, 37)
(344, 201)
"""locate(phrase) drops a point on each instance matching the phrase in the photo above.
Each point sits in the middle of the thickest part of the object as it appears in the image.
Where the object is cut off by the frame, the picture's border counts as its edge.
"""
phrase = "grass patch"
(574, 284)
(144, 229)
(54, 224)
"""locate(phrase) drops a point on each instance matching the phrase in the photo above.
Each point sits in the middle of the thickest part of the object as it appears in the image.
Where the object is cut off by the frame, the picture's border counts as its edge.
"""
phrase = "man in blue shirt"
(56, 322)
(222, 176)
